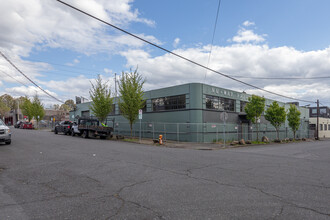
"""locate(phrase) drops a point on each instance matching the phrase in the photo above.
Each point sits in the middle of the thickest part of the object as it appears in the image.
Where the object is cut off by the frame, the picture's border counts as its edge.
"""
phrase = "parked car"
(5, 134)
(18, 124)
(63, 127)
(27, 125)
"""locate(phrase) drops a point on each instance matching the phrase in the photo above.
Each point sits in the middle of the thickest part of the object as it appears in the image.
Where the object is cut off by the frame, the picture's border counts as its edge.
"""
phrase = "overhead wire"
(282, 78)
(57, 64)
(13, 78)
(214, 29)
(180, 56)
(95, 72)
(91, 74)
(8, 60)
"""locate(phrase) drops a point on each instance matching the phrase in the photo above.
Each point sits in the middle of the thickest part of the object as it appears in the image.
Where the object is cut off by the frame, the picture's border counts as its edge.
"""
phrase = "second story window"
(220, 103)
(169, 103)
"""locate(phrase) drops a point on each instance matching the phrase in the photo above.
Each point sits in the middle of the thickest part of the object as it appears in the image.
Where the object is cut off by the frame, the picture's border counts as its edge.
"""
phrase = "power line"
(215, 27)
(57, 64)
(30, 79)
(182, 57)
(14, 78)
(323, 105)
(91, 74)
(282, 78)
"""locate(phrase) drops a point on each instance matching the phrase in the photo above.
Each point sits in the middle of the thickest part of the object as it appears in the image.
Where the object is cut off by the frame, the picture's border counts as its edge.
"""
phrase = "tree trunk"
(257, 126)
(277, 134)
(131, 126)
(294, 135)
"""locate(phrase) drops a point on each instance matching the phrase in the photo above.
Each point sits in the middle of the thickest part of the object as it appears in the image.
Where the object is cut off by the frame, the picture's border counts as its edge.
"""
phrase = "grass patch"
(258, 142)
(130, 139)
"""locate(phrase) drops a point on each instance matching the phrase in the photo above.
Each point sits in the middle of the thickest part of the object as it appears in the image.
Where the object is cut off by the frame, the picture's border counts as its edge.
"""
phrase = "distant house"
(59, 115)
(324, 112)
(324, 121)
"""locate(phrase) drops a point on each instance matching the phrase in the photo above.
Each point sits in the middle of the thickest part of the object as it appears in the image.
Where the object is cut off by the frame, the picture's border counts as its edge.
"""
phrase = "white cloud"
(239, 59)
(176, 42)
(106, 70)
(248, 23)
(247, 36)
(30, 91)
(75, 61)
(47, 23)
(42, 24)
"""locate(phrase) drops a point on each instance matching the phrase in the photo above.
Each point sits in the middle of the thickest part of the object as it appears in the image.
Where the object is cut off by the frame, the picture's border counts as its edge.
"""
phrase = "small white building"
(323, 128)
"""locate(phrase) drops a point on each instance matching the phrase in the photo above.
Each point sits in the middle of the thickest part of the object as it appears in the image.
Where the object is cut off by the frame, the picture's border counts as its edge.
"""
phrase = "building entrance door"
(244, 130)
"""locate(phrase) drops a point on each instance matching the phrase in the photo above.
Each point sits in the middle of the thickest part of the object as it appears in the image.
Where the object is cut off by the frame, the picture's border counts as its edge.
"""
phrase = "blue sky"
(63, 50)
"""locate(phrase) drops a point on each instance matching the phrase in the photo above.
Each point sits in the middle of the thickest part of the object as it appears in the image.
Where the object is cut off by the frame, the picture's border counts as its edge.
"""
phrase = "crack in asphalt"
(43, 200)
(287, 202)
(279, 214)
(62, 194)
(188, 174)
(203, 167)
(124, 201)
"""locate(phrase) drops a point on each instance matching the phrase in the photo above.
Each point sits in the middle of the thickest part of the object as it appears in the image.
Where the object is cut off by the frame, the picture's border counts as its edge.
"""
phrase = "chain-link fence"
(207, 132)
(199, 132)
(43, 124)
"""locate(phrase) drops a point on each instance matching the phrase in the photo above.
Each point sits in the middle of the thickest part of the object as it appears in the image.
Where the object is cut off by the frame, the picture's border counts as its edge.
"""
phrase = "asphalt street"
(48, 176)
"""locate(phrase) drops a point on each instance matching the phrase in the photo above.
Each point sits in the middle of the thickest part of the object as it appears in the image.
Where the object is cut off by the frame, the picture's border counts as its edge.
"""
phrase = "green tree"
(70, 103)
(9, 101)
(56, 107)
(100, 94)
(37, 108)
(3, 109)
(254, 108)
(294, 119)
(131, 100)
(26, 107)
(276, 115)
(65, 107)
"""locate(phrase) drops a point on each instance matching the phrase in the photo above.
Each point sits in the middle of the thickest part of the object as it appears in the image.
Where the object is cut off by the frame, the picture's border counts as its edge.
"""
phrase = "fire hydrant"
(160, 139)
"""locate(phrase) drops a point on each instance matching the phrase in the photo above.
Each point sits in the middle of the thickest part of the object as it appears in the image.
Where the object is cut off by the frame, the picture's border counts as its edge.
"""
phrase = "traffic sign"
(224, 116)
(140, 114)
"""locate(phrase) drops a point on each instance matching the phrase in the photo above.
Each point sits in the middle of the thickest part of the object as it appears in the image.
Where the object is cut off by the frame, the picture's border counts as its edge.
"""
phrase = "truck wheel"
(102, 137)
(8, 142)
(85, 134)
(55, 131)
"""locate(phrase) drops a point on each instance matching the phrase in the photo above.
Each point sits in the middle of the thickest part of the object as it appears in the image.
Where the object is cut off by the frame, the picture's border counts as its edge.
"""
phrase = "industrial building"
(192, 112)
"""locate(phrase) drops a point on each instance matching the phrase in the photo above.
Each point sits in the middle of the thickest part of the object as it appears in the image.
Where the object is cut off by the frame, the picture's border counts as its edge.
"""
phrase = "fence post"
(217, 136)
(224, 133)
(140, 131)
(177, 131)
(197, 133)
(153, 131)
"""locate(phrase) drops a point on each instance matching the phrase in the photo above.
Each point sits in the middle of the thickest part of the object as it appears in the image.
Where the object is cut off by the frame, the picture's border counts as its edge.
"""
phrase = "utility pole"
(317, 120)
(116, 83)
